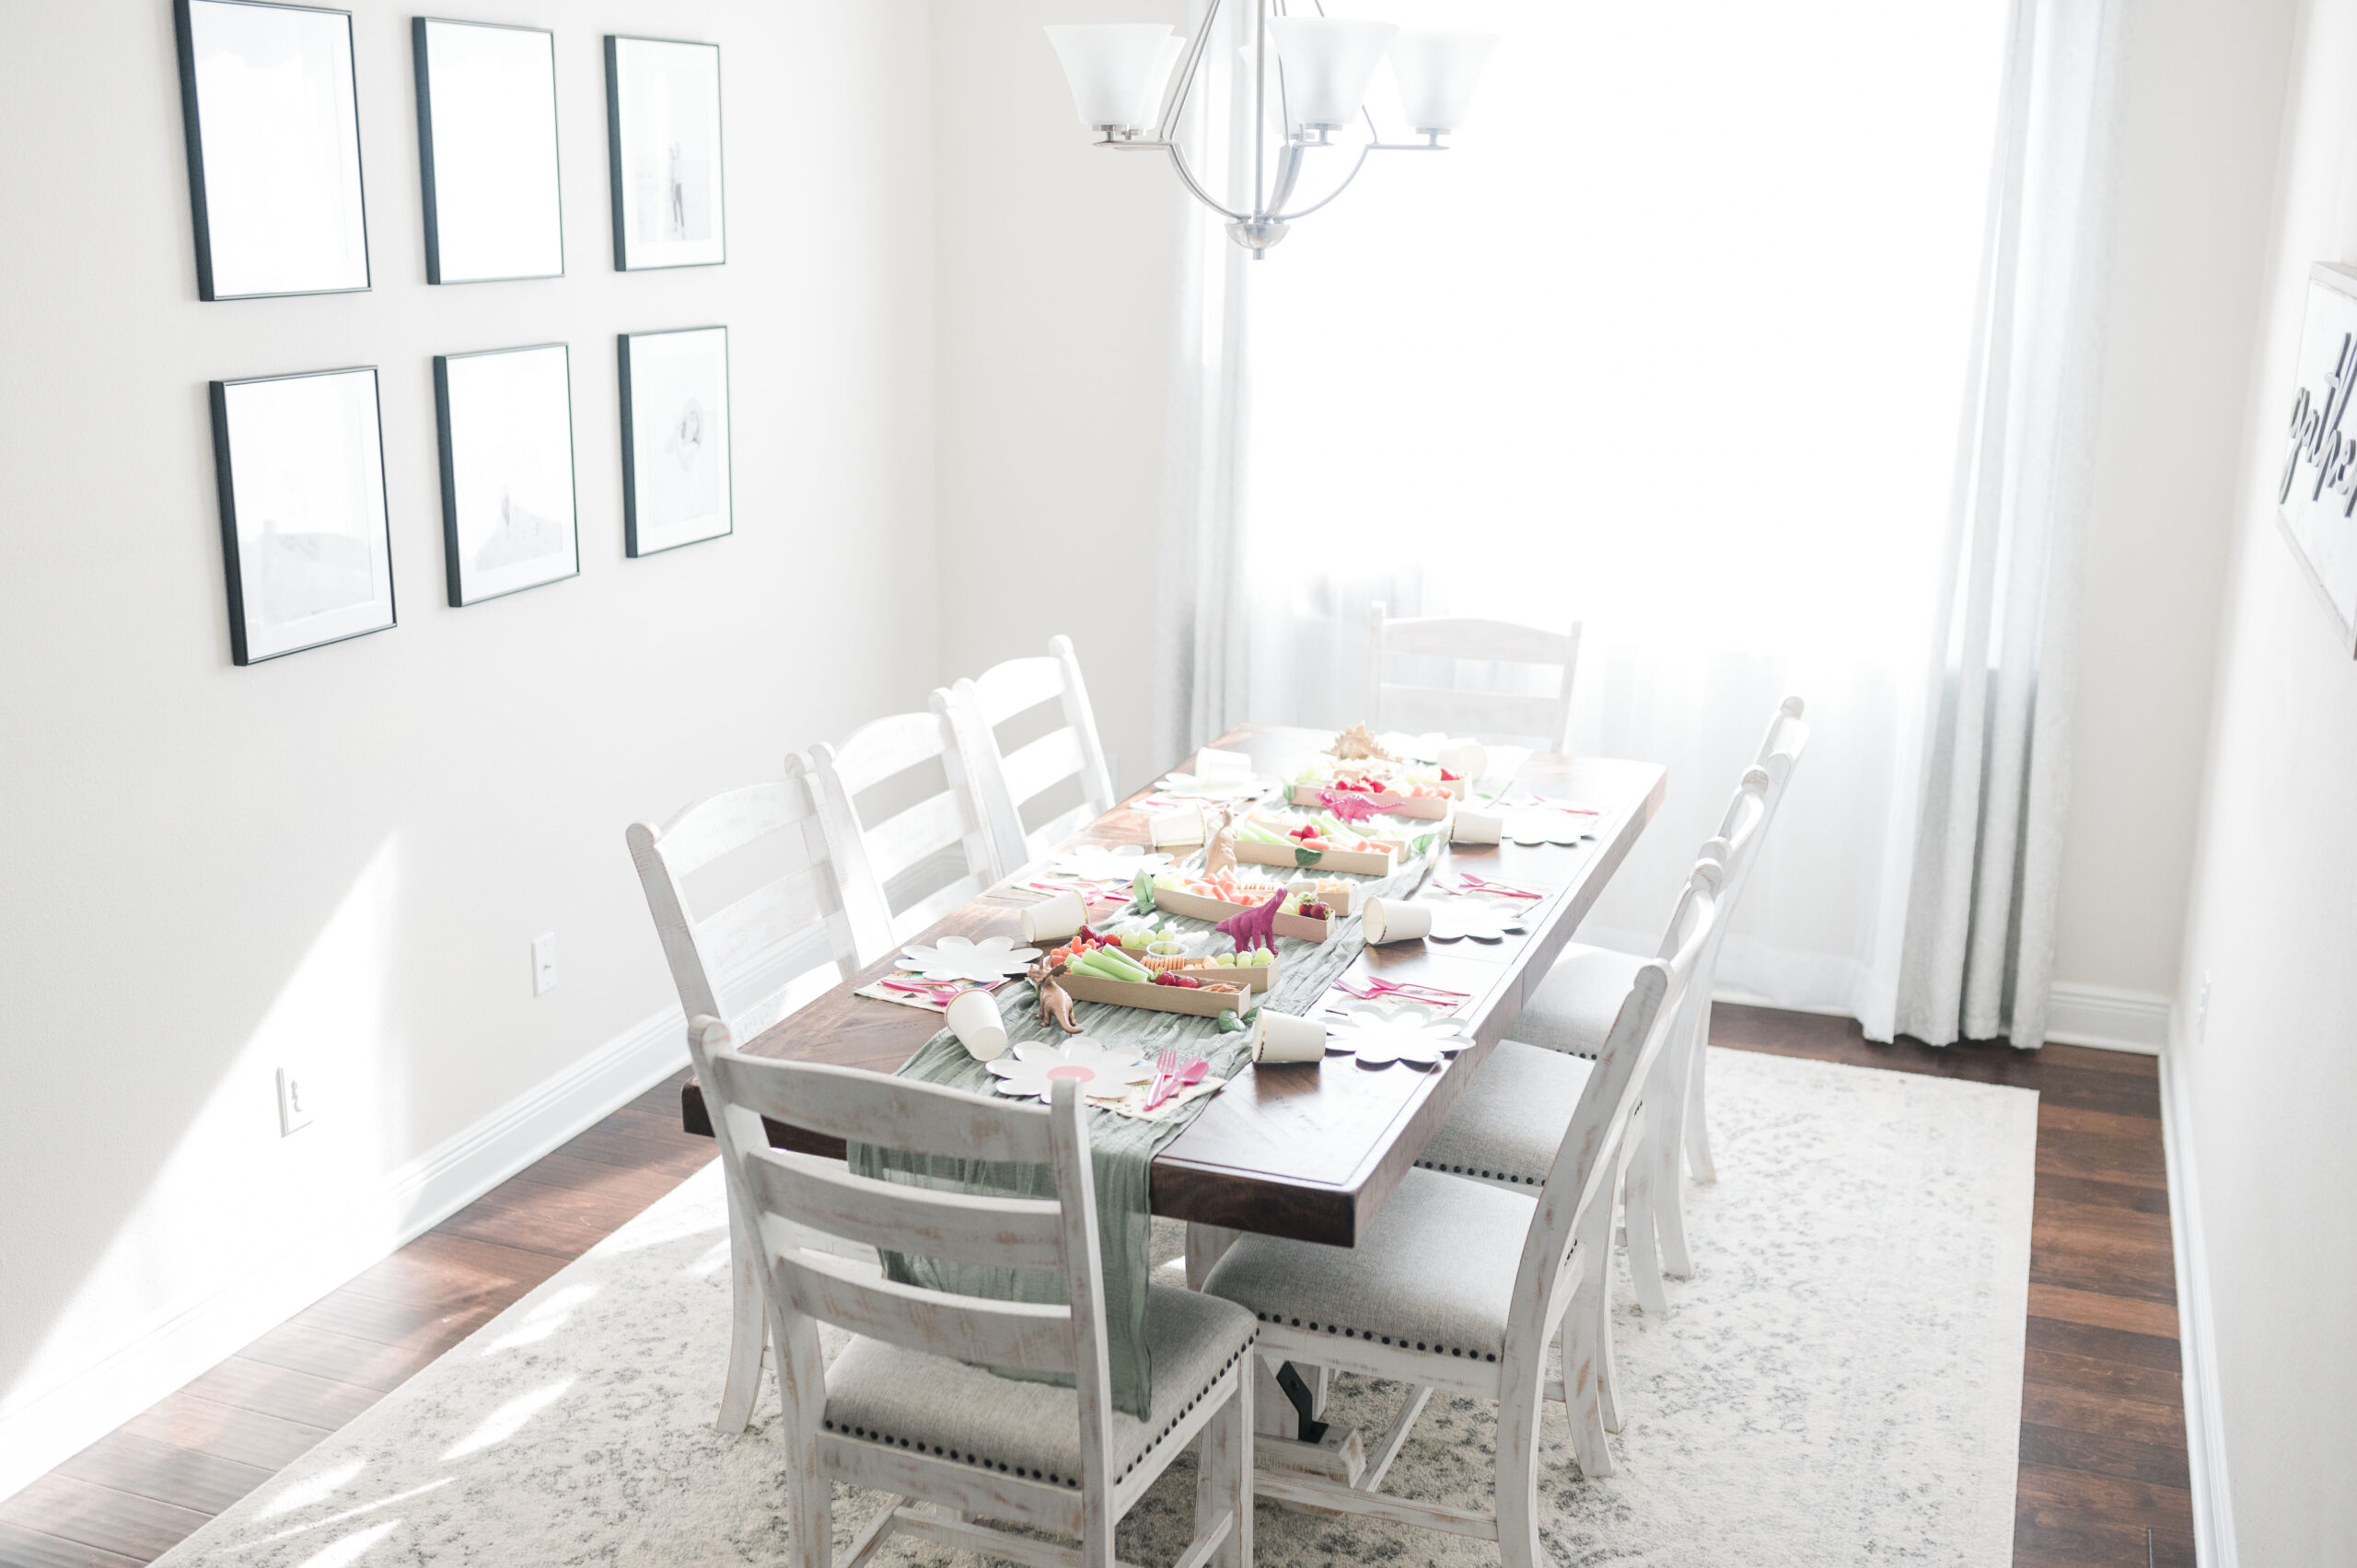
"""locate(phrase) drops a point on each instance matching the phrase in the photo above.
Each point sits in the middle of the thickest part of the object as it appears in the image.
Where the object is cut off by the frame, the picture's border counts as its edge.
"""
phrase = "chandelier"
(1132, 81)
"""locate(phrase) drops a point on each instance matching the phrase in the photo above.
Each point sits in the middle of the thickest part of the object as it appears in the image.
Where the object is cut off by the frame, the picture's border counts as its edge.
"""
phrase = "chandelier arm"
(1178, 161)
(1288, 217)
(1288, 176)
(1177, 103)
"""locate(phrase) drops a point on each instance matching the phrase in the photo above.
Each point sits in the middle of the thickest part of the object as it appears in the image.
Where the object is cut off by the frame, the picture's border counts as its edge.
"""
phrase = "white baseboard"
(43, 1430)
(2098, 1015)
(2205, 1437)
(2106, 1016)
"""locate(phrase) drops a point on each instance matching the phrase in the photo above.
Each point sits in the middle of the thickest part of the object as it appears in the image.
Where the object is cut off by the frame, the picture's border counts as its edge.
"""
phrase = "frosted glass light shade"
(1438, 73)
(1328, 62)
(1110, 66)
(1157, 80)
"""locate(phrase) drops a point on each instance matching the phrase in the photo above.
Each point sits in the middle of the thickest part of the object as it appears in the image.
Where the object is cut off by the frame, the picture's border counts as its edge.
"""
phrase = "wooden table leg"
(1206, 1245)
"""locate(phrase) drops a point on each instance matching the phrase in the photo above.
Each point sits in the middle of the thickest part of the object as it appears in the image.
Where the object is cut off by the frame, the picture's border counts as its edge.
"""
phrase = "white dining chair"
(910, 1408)
(1503, 1126)
(774, 947)
(942, 829)
(1069, 755)
(1461, 1286)
(1453, 711)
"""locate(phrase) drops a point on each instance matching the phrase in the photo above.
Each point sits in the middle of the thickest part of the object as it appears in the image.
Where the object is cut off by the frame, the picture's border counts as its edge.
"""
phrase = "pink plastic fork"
(1466, 882)
(1165, 1065)
(1373, 989)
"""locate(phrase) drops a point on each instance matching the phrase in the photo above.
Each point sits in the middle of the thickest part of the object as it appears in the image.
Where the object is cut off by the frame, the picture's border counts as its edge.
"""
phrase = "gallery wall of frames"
(279, 199)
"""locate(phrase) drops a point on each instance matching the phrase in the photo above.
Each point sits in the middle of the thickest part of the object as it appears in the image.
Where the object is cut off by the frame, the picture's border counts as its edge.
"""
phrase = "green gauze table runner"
(1122, 1148)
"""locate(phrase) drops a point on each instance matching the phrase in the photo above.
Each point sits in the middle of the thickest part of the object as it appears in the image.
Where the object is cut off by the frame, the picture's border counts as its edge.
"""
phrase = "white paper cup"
(1180, 825)
(1389, 920)
(1466, 758)
(1477, 827)
(1281, 1037)
(975, 1021)
(1053, 919)
(1216, 766)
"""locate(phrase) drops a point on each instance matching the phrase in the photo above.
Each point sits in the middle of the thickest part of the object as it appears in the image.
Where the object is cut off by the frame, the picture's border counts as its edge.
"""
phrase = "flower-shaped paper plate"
(1186, 786)
(1103, 1072)
(1102, 863)
(1545, 823)
(1380, 1036)
(988, 961)
(1454, 920)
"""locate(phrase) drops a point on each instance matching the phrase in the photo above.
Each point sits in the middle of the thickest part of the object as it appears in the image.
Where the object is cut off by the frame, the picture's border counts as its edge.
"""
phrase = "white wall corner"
(2205, 1437)
(41, 1432)
(2108, 1017)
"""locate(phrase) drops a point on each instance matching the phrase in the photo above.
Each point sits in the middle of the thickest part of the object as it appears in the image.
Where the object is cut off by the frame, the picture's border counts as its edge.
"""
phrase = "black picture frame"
(641, 255)
(209, 282)
(247, 599)
(642, 534)
(429, 171)
(463, 591)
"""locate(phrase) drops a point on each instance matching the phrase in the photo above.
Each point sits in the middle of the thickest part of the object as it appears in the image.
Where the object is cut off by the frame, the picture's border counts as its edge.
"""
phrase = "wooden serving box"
(1430, 807)
(1253, 851)
(1159, 998)
(1195, 907)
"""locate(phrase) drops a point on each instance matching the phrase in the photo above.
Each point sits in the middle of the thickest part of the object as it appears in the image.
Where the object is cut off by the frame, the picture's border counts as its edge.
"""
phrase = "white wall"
(2264, 1091)
(2199, 98)
(1054, 304)
(338, 859)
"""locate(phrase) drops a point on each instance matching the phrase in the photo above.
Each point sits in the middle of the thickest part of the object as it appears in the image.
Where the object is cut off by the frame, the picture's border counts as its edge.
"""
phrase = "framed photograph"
(486, 143)
(274, 149)
(2315, 497)
(675, 439)
(508, 519)
(663, 138)
(300, 460)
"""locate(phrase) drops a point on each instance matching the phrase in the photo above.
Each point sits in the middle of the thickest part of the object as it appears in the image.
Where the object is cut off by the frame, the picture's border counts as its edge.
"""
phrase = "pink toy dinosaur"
(1253, 927)
(1348, 806)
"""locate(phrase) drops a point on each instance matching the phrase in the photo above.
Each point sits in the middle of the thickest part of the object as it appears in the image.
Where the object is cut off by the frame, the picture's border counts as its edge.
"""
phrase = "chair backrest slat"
(964, 1328)
(1033, 767)
(1008, 783)
(795, 914)
(894, 1113)
(1419, 709)
(1026, 1233)
(946, 826)
(910, 837)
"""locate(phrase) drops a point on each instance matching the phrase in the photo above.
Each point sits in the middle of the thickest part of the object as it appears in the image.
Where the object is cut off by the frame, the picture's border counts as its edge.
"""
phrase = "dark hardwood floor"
(2103, 1453)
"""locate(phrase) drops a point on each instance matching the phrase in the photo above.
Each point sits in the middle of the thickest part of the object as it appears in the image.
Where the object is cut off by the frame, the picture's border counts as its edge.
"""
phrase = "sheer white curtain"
(1675, 341)
(1980, 934)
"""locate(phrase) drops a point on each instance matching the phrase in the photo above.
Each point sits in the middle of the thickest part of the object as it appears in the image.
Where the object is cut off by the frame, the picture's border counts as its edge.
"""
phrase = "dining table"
(1309, 1150)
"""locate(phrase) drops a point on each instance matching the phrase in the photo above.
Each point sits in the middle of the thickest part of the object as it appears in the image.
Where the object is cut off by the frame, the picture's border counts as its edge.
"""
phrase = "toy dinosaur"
(1253, 927)
(1357, 744)
(1055, 1001)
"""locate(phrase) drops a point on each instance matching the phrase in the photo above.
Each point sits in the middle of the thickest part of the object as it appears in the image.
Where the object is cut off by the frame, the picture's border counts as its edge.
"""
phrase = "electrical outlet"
(544, 964)
(295, 1111)
(2202, 1011)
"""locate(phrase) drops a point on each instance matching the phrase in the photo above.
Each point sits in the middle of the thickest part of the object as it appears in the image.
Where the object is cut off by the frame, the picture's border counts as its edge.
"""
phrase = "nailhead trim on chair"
(1018, 1470)
(1371, 1335)
(1497, 1176)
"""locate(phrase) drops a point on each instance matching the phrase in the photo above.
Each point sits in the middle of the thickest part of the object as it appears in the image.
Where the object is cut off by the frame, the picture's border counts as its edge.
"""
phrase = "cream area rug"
(1839, 1383)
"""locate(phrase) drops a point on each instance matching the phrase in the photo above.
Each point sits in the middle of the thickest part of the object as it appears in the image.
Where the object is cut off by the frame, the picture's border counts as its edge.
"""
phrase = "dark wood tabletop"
(1312, 1150)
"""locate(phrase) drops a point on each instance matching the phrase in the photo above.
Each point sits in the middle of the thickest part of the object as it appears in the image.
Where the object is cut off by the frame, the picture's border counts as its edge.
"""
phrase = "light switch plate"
(544, 963)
